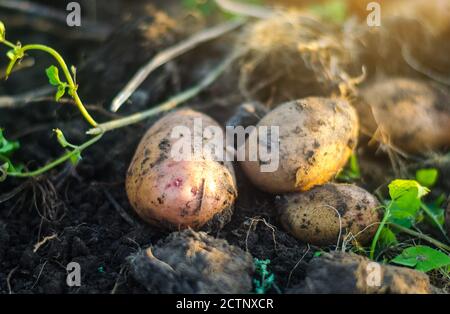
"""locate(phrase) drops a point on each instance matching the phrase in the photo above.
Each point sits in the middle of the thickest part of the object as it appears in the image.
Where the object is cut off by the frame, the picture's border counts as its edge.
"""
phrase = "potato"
(409, 114)
(312, 216)
(316, 138)
(178, 194)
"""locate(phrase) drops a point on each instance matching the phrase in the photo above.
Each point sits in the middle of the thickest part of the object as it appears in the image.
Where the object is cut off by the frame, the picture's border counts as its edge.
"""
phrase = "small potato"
(408, 114)
(318, 216)
(316, 138)
(178, 194)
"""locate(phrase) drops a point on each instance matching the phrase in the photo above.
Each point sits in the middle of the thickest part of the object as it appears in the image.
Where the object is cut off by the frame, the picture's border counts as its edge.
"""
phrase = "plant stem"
(73, 87)
(68, 75)
(9, 44)
(56, 162)
(167, 105)
(378, 233)
(421, 236)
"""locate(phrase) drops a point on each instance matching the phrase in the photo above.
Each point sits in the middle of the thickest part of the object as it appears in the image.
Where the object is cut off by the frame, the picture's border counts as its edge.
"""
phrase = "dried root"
(290, 56)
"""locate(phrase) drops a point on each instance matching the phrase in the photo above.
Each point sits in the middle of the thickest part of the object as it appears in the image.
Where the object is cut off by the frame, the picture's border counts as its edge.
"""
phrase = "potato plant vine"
(18, 51)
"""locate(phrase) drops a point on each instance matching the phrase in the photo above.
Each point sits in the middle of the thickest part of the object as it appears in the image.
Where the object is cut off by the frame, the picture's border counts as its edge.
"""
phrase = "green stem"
(56, 162)
(68, 75)
(72, 85)
(421, 236)
(379, 230)
(165, 106)
(9, 44)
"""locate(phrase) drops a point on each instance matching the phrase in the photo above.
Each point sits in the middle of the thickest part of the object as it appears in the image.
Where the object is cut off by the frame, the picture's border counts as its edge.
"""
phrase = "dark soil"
(82, 214)
(84, 210)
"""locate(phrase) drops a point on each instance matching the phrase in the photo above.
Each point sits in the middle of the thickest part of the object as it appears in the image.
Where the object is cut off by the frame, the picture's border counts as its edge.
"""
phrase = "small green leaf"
(317, 254)
(427, 177)
(75, 158)
(2, 31)
(60, 92)
(14, 55)
(407, 193)
(53, 76)
(62, 139)
(7, 147)
(422, 258)
(387, 238)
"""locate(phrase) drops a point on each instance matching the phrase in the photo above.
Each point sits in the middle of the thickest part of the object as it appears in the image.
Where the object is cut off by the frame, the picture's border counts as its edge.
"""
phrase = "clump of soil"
(340, 272)
(193, 262)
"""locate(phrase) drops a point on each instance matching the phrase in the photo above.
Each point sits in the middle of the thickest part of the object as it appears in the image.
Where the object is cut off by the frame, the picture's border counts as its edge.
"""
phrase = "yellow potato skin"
(177, 194)
(312, 216)
(317, 136)
(408, 114)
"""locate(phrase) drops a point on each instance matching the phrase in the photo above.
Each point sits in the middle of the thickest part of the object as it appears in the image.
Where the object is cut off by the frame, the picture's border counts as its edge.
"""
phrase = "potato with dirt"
(410, 115)
(329, 213)
(316, 138)
(178, 193)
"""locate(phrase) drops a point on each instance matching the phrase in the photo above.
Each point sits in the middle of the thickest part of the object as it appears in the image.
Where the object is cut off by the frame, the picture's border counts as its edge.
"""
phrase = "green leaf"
(407, 193)
(387, 238)
(427, 177)
(402, 216)
(317, 254)
(14, 55)
(60, 92)
(422, 258)
(53, 75)
(2, 31)
(7, 147)
(75, 158)
(62, 139)
(406, 201)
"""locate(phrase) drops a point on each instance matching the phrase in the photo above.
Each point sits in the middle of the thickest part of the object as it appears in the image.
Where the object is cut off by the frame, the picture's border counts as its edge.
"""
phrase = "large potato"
(316, 138)
(409, 114)
(319, 215)
(178, 194)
